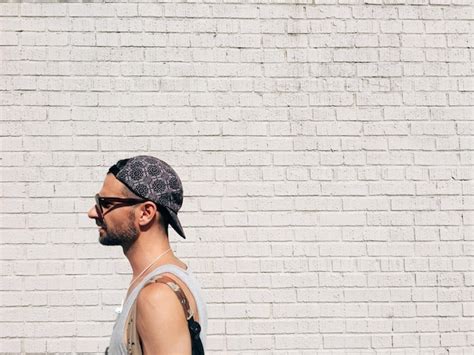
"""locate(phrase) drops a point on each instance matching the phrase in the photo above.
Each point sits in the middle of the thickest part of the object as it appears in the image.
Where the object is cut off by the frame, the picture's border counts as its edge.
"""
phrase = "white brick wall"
(325, 152)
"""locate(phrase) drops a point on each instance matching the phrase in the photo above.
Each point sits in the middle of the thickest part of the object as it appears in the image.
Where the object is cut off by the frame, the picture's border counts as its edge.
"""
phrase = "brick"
(450, 339)
(437, 218)
(283, 11)
(336, 250)
(350, 342)
(298, 342)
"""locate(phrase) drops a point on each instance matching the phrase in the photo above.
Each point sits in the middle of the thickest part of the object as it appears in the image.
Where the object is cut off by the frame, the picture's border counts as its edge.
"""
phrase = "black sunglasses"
(112, 203)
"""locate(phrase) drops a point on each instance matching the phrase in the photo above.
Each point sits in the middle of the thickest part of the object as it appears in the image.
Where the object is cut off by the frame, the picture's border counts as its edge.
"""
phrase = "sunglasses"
(111, 203)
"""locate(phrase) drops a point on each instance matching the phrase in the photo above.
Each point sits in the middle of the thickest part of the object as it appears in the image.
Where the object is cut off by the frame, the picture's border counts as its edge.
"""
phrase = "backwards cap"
(153, 179)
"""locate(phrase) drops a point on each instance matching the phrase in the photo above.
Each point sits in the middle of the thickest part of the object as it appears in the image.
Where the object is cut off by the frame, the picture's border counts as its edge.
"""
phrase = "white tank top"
(117, 342)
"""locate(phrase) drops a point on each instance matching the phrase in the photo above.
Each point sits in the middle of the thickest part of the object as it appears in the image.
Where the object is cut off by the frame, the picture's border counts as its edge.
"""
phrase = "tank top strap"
(167, 268)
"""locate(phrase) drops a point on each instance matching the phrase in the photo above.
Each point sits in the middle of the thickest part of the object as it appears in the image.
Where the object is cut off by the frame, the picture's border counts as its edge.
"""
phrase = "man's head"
(137, 193)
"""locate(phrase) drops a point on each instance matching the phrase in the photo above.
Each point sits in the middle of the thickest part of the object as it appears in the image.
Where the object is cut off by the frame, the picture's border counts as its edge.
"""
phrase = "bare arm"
(161, 322)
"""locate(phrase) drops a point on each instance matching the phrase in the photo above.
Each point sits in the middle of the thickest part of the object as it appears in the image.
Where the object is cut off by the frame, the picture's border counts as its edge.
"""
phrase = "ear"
(147, 213)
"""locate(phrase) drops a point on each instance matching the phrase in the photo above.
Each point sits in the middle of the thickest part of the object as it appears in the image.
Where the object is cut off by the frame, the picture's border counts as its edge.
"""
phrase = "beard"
(124, 234)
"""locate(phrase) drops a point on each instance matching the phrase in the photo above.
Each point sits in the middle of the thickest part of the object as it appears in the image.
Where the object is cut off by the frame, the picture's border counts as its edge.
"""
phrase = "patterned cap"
(154, 180)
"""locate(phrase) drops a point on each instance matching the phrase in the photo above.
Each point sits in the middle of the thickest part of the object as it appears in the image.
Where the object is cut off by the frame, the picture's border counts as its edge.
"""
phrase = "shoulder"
(158, 300)
(160, 319)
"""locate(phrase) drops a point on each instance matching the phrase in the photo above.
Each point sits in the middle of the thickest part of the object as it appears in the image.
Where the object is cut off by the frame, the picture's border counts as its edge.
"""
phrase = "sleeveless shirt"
(118, 344)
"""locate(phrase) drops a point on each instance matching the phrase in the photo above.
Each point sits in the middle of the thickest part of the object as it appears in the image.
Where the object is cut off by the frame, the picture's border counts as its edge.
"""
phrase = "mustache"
(100, 223)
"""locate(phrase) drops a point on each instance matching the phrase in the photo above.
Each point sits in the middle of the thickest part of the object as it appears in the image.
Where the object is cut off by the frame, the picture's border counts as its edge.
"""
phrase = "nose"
(92, 213)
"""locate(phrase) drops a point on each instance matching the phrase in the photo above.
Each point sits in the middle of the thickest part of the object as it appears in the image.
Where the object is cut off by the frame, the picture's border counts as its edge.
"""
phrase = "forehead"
(111, 187)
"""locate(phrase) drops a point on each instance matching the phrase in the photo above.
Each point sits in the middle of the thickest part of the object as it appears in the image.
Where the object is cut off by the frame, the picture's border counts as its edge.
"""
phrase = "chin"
(104, 239)
(108, 242)
(102, 235)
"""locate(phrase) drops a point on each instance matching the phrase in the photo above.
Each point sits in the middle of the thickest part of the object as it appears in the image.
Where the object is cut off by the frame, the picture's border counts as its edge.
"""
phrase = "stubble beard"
(123, 235)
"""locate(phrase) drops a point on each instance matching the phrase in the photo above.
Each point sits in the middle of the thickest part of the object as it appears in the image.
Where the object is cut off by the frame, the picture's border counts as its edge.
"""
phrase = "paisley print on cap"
(136, 174)
(159, 186)
(142, 190)
(153, 170)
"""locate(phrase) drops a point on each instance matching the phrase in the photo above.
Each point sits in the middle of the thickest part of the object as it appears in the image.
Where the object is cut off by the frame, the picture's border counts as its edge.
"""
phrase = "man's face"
(117, 227)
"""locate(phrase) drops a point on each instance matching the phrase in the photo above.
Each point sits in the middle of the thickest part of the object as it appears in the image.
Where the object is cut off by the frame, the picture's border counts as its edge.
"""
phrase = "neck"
(145, 250)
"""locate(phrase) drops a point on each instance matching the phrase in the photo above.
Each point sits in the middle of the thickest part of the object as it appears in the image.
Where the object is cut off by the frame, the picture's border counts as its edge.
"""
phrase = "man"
(139, 198)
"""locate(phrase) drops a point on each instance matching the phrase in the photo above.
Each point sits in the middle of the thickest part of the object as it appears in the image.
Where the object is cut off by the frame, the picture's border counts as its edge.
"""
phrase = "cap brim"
(175, 223)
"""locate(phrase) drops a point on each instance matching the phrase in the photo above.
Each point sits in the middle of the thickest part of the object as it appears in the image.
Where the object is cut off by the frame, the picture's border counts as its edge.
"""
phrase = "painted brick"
(343, 129)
